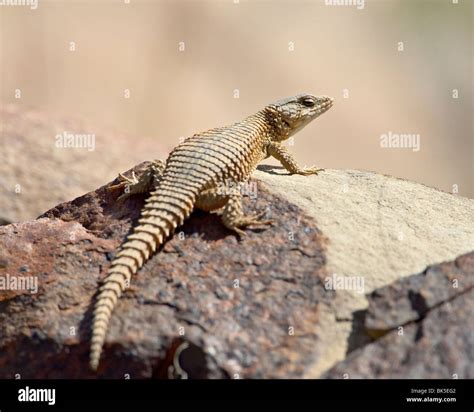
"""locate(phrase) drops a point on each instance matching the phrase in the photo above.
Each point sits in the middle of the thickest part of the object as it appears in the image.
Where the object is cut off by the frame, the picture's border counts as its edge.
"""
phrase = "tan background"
(245, 46)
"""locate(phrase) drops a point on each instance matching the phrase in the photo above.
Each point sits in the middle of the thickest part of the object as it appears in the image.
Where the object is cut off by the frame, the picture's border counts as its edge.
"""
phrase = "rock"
(215, 306)
(380, 229)
(36, 174)
(303, 283)
(429, 323)
(410, 299)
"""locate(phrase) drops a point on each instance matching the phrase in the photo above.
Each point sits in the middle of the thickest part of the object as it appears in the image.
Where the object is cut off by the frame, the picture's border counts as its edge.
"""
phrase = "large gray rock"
(380, 229)
(428, 324)
(410, 299)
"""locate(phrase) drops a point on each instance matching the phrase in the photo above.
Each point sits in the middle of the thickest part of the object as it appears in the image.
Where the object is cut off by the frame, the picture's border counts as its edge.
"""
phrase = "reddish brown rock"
(206, 305)
(431, 325)
(410, 299)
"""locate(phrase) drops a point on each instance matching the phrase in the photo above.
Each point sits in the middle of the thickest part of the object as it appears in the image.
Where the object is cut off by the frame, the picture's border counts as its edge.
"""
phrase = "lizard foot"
(309, 171)
(128, 180)
(126, 184)
(146, 181)
(250, 220)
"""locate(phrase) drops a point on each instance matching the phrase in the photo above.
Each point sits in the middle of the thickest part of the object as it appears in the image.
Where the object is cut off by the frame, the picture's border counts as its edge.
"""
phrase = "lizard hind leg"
(145, 183)
(233, 216)
(235, 219)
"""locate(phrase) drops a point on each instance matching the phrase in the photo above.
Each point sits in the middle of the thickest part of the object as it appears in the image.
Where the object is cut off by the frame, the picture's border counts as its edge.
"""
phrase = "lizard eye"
(308, 102)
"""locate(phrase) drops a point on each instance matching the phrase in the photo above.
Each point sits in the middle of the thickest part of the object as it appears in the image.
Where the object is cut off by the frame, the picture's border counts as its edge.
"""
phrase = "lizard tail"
(166, 209)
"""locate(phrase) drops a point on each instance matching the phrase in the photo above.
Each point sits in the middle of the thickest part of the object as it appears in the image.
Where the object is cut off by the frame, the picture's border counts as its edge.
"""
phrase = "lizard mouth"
(323, 107)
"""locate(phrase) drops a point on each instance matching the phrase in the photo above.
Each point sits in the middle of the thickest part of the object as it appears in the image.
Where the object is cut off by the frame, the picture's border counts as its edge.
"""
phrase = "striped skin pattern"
(192, 178)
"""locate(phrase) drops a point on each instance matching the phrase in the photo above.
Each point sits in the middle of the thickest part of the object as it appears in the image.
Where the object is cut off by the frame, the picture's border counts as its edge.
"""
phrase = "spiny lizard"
(192, 178)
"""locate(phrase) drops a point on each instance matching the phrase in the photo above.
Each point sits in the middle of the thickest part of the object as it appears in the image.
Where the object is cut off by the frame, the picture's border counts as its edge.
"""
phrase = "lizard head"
(290, 115)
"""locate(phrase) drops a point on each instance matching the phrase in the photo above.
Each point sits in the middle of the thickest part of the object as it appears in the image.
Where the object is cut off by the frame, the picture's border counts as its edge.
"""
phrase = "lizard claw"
(309, 171)
(255, 219)
(128, 180)
(241, 233)
(250, 220)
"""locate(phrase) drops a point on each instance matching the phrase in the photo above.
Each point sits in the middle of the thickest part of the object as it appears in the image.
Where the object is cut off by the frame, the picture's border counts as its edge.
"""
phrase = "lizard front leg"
(279, 152)
(144, 184)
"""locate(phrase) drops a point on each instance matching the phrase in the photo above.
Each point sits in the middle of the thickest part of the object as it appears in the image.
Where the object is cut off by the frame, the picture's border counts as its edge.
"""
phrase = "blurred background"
(161, 70)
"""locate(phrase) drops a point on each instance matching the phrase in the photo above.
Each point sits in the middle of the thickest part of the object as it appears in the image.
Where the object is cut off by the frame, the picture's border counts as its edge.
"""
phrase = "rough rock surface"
(380, 229)
(279, 322)
(429, 323)
(410, 299)
(36, 175)
(206, 305)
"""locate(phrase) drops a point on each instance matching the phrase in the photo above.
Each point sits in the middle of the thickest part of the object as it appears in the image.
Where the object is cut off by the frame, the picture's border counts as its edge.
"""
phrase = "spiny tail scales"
(166, 209)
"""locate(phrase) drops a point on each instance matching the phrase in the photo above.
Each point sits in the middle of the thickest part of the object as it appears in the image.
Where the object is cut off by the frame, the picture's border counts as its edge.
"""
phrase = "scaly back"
(202, 161)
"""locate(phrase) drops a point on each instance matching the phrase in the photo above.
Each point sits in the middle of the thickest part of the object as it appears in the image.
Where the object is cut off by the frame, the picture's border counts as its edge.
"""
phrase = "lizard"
(192, 177)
